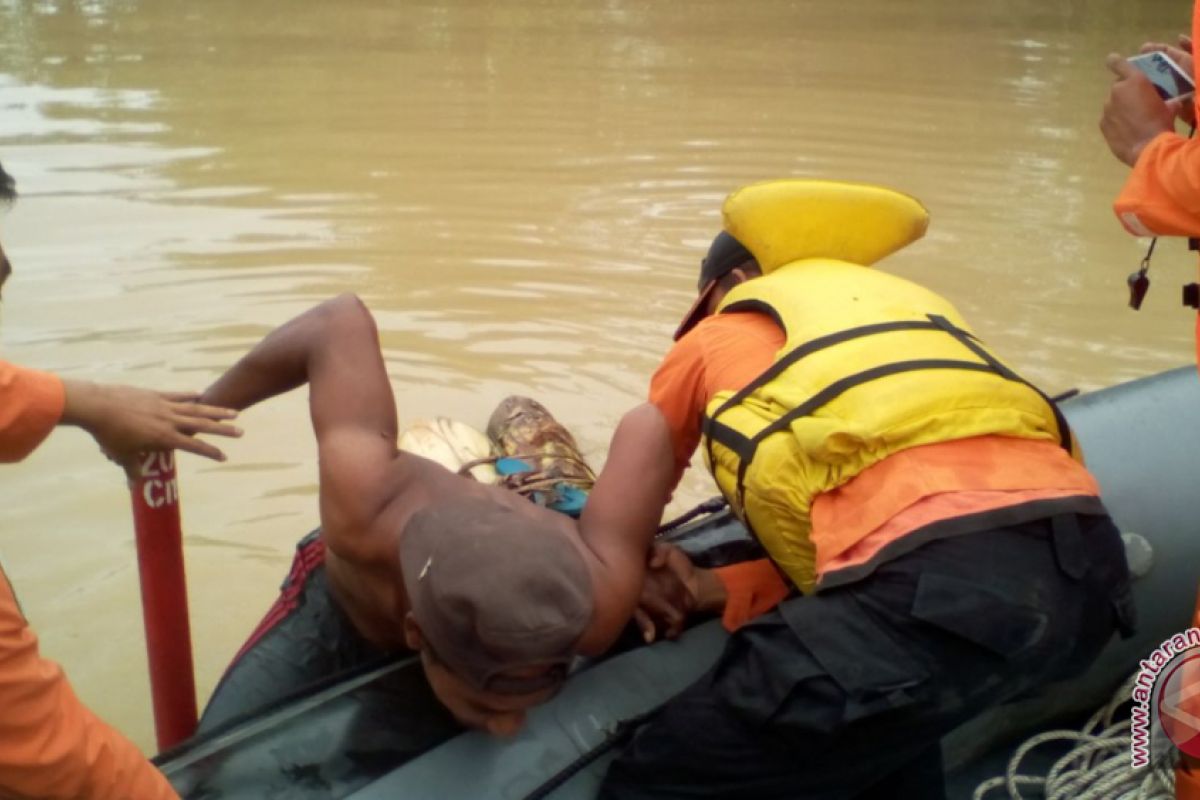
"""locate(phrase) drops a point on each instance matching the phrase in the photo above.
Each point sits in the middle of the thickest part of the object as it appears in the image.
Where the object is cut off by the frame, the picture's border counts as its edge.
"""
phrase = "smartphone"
(1168, 78)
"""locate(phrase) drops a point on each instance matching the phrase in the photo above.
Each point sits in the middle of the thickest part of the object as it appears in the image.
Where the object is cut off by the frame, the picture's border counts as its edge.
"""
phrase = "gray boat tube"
(1141, 440)
(376, 735)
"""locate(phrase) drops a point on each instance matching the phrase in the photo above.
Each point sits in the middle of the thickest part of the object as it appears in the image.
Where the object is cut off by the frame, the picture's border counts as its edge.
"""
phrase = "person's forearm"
(283, 360)
(621, 516)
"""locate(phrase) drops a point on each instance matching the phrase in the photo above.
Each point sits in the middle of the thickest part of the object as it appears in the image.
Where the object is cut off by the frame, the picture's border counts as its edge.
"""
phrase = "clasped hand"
(673, 589)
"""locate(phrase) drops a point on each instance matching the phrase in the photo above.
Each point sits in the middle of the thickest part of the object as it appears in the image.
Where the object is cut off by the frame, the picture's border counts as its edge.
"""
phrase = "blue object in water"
(571, 499)
(512, 466)
(567, 499)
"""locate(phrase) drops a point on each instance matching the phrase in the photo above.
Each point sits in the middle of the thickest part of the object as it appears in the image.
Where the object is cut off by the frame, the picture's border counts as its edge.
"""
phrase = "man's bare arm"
(621, 518)
(283, 360)
(333, 347)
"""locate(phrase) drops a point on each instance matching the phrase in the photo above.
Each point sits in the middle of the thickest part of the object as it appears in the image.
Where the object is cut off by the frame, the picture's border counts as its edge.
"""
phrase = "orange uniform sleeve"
(753, 588)
(1162, 194)
(723, 352)
(31, 404)
(678, 391)
(51, 745)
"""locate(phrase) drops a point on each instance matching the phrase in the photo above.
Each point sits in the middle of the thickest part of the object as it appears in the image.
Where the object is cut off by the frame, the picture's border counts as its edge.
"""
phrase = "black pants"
(305, 639)
(847, 694)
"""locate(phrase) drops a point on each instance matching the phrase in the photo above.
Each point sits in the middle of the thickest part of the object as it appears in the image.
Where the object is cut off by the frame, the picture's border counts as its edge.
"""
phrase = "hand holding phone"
(1142, 102)
(1169, 79)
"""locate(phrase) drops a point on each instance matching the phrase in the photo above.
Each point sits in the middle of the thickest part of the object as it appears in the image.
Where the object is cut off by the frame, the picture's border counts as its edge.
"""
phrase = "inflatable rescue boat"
(379, 733)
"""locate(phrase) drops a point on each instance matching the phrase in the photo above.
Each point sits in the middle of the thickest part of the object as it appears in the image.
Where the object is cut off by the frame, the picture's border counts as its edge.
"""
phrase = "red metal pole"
(164, 598)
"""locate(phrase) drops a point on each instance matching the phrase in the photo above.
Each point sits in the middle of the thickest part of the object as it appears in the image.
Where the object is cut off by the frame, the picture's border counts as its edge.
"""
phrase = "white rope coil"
(1096, 767)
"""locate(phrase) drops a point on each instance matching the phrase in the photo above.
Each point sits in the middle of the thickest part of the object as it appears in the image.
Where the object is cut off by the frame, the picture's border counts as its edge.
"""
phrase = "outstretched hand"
(126, 421)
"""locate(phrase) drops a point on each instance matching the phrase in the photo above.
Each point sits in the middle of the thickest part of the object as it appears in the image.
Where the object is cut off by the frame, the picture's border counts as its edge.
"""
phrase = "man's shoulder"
(723, 351)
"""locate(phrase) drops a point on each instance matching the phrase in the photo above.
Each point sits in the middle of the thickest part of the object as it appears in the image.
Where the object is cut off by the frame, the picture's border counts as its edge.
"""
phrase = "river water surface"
(521, 191)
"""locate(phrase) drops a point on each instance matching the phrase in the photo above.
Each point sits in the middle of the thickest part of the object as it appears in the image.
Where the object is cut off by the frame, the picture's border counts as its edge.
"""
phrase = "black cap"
(725, 254)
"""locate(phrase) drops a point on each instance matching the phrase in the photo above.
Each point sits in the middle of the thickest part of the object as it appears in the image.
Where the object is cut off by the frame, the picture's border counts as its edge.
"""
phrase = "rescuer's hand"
(673, 589)
(1134, 113)
(125, 420)
(1181, 55)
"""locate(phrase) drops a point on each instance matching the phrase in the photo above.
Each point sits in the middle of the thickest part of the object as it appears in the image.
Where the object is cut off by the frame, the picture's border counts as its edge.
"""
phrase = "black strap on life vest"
(1060, 421)
(737, 441)
(746, 446)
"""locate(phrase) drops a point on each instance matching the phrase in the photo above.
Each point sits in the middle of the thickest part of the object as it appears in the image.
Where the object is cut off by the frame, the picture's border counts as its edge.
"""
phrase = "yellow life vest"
(872, 364)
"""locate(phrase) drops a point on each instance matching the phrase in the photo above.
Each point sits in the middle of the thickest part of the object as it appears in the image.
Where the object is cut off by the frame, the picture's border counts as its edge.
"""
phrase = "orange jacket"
(51, 745)
(31, 404)
(1161, 197)
(1162, 194)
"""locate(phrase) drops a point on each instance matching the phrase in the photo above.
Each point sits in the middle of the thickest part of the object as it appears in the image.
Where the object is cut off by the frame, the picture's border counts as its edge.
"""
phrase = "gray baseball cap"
(493, 590)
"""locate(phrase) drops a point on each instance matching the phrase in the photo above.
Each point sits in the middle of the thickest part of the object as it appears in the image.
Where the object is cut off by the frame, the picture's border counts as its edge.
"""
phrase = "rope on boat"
(1096, 768)
(709, 506)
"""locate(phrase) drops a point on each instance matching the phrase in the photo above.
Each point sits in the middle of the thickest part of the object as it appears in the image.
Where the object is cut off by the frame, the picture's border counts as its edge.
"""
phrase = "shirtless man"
(495, 592)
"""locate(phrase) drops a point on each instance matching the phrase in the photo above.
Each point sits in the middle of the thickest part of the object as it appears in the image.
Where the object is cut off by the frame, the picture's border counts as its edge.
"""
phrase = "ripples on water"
(522, 193)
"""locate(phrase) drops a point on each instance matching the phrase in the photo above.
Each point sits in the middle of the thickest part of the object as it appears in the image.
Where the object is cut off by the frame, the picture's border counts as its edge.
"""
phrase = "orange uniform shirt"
(31, 404)
(1161, 196)
(855, 525)
(51, 745)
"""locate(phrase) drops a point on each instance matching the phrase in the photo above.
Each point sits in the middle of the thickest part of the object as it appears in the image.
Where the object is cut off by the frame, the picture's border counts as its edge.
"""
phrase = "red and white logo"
(1178, 709)
(1167, 688)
